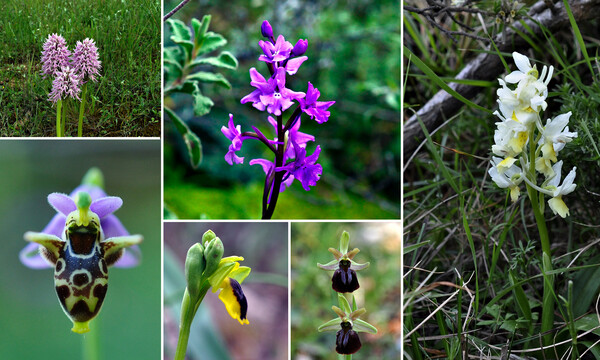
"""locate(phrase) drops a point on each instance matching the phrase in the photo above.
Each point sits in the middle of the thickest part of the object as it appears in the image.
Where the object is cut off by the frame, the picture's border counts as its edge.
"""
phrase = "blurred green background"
(379, 292)
(214, 334)
(353, 58)
(32, 321)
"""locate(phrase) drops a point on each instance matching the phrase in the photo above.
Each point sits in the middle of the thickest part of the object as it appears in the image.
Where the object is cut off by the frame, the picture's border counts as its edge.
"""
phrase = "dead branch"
(487, 66)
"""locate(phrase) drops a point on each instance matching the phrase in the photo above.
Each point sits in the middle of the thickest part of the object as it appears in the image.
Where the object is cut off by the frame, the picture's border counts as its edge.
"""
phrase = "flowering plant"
(206, 268)
(289, 144)
(526, 150)
(70, 72)
(80, 242)
(344, 280)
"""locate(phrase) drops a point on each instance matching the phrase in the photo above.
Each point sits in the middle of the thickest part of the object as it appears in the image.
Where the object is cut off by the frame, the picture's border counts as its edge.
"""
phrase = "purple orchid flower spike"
(102, 205)
(288, 144)
(55, 55)
(85, 59)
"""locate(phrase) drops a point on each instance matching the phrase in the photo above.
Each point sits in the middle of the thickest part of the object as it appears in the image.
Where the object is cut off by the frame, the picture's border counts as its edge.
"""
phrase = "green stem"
(91, 344)
(58, 108)
(188, 311)
(64, 120)
(548, 295)
(81, 109)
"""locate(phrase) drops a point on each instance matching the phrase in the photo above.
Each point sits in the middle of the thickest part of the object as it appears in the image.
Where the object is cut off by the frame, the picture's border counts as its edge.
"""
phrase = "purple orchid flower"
(275, 52)
(234, 134)
(272, 93)
(304, 168)
(300, 138)
(102, 205)
(317, 110)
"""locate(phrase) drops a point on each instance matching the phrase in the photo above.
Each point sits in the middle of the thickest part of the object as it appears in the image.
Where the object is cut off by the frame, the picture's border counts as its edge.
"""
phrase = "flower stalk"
(206, 268)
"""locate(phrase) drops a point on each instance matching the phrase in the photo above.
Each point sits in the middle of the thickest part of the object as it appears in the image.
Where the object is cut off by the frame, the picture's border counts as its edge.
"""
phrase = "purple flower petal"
(62, 203)
(293, 65)
(30, 257)
(105, 206)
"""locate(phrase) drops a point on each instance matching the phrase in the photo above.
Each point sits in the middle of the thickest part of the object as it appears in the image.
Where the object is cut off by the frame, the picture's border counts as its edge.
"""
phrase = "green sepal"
(224, 60)
(211, 42)
(93, 177)
(331, 325)
(208, 236)
(240, 274)
(363, 326)
(356, 266)
(354, 304)
(213, 253)
(209, 77)
(344, 303)
(194, 267)
(344, 242)
(220, 274)
(332, 265)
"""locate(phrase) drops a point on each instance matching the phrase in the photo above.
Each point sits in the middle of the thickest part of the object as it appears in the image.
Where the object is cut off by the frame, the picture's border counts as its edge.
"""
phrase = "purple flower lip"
(102, 205)
(267, 94)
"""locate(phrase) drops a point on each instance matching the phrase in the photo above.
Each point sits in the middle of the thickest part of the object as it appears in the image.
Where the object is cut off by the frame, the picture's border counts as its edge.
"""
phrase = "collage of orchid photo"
(234, 166)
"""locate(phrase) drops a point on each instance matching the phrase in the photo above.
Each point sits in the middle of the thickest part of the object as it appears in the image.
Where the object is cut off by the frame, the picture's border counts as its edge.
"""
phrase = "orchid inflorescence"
(70, 71)
(525, 148)
(344, 280)
(289, 144)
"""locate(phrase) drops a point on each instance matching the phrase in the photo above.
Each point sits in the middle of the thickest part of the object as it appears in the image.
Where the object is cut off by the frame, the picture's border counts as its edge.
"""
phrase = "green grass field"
(126, 99)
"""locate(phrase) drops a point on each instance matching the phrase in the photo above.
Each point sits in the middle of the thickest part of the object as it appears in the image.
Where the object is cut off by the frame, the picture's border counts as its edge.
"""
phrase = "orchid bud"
(266, 30)
(207, 237)
(213, 254)
(300, 47)
(194, 267)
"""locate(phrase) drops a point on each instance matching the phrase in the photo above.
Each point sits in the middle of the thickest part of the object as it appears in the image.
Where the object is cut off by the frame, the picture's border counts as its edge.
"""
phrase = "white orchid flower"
(511, 178)
(557, 205)
(530, 90)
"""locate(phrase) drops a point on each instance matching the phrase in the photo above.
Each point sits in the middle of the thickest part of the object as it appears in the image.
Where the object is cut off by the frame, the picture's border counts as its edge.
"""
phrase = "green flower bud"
(213, 254)
(208, 237)
(194, 267)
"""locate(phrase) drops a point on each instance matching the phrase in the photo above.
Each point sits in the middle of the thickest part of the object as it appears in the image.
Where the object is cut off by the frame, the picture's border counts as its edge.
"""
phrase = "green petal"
(336, 253)
(350, 255)
(356, 313)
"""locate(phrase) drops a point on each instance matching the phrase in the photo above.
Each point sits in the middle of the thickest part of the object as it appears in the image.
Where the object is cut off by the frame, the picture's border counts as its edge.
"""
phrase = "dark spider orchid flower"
(347, 340)
(344, 278)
